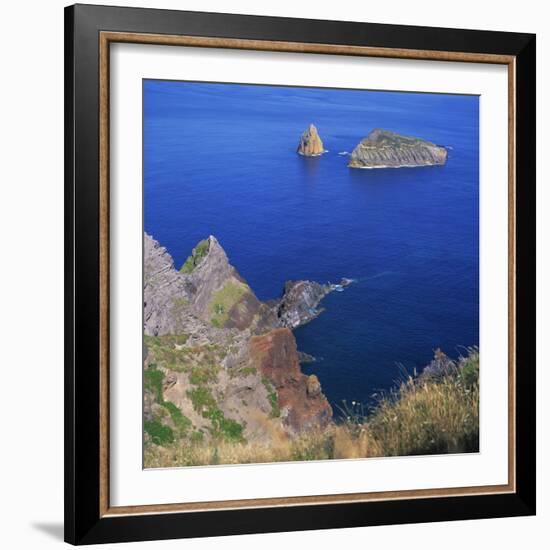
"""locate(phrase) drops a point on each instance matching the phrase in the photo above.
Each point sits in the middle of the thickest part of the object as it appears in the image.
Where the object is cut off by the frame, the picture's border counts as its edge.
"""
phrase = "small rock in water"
(304, 357)
(310, 143)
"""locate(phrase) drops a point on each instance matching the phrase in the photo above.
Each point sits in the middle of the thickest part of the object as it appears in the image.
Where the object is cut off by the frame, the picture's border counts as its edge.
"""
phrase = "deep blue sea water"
(221, 159)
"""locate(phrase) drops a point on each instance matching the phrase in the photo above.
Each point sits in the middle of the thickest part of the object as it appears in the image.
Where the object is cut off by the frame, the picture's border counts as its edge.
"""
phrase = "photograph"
(299, 272)
(310, 273)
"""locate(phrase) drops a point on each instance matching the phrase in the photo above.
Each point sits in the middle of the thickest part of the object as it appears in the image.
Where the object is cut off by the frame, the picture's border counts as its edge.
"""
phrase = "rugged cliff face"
(310, 143)
(219, 294)
(217, 364)
(385, 149)
(165, 291)
(302, 404)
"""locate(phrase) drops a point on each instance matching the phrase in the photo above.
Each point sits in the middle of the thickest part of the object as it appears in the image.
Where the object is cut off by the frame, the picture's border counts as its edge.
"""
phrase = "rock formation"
(302, 404)
(164, 290)
(442, 365)
(385, 149)
(219, 294)
(298, 305)
(300, 301)
(310, 143)
(218, 363)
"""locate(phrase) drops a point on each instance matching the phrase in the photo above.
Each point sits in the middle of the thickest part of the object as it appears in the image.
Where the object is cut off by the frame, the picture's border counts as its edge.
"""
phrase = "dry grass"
(422, 416)
(428, 418)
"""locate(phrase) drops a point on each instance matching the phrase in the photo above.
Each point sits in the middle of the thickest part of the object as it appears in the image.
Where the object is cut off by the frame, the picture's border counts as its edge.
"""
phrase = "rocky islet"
(381, 149)
(310, 144)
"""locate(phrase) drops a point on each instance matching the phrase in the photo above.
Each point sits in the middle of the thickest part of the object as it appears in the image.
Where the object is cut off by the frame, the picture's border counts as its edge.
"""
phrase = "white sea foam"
(398, 166)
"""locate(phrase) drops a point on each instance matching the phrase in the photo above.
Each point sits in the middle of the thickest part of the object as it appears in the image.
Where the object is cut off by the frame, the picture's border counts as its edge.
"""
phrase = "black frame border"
(83, 523)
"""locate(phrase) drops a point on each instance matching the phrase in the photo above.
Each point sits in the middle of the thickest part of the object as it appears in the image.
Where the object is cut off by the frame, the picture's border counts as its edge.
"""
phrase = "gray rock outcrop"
(165, 291)
(220, 294)
(299, 304)
(386, 149)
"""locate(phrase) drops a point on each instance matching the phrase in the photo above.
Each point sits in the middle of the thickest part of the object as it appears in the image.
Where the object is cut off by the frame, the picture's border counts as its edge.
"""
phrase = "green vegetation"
(171, 352)
(223, 300)
(243, 372)
(222, 427)
(386, 138)
(152, 381)
(203, 400)
(203, 374)
(197, 255)
(273, 398)
(469, 372)
(424, 415)
(225, 428)
(202, 364)
(182, 423)
(166, 340)
(159, 433)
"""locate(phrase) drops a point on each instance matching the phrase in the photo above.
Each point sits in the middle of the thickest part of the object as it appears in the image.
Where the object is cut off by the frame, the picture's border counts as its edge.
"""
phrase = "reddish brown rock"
(313, 386)
(310, 143)
(303, 405)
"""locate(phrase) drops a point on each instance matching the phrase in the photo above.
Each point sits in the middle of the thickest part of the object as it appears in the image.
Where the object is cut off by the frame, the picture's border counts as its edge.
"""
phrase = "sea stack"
(386, 149)
(310, 143)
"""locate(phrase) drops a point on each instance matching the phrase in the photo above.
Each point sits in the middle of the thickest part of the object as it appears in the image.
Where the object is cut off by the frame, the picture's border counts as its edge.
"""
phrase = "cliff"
(310, 143)
(386, 149)
(218, 366)
(302, 404)
(219, 294)
(164, 290)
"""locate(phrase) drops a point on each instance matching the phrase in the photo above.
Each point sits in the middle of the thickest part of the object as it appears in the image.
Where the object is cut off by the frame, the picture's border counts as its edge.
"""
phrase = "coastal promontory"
(386, 149)
(220, 365)
(310, 143)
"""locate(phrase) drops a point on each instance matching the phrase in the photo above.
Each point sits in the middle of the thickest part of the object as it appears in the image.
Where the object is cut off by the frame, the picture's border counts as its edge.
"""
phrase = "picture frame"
(90, 32)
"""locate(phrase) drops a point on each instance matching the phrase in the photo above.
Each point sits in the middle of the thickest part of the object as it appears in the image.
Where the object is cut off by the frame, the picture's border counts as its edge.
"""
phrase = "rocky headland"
(386, 149)
(310, 143)
(300, 301)
(219, 363)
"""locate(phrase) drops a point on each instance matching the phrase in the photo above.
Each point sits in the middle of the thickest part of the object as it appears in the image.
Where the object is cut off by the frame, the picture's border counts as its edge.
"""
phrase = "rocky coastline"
(227, 363)
(223, 381)
(300, 301)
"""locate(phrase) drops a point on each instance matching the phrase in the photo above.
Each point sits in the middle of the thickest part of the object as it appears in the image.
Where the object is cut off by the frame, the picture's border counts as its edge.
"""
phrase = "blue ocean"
(221, 159)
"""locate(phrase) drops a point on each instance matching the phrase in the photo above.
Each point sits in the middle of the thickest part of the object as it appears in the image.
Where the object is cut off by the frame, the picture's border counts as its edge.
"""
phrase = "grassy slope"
(201, 364)
(422, 416)
(223, 300)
